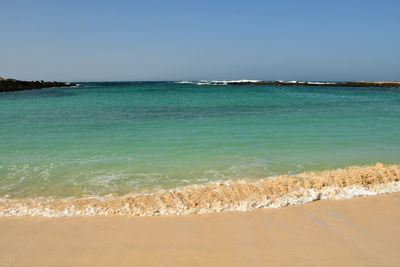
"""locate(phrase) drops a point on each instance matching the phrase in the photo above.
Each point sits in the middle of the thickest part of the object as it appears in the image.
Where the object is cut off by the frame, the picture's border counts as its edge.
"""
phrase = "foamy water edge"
(232, 195)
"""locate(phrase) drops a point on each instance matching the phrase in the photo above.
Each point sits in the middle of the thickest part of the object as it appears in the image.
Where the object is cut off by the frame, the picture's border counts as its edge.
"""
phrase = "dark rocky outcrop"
(12, 85)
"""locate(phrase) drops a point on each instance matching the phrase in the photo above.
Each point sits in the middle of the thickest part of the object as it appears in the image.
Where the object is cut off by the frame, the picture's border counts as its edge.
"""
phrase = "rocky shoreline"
(393, 84)
(12, 85)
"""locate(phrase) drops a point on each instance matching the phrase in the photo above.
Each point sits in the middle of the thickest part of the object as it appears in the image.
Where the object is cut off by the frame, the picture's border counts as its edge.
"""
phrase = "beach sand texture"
(362, 231)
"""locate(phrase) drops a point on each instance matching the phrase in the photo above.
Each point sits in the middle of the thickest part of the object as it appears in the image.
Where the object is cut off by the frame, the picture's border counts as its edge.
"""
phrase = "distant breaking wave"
(184, 82)
(205, 82)
(232, 195)
(227, 82)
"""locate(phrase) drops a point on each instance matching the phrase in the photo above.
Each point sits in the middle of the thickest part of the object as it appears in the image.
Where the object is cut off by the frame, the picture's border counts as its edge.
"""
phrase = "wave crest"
(232, 195)
(215, 82)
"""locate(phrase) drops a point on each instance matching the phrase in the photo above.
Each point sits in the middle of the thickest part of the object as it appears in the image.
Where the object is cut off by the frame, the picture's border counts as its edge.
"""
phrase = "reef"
(12, 85)
(388, 84)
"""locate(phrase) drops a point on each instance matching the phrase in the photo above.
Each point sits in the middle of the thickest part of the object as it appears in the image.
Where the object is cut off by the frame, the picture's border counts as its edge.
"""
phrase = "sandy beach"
(357, 232)
(199, 133)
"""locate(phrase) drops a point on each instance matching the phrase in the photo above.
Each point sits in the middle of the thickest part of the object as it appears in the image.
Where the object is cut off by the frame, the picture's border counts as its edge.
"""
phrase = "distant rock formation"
(12, 85)
(337, 84)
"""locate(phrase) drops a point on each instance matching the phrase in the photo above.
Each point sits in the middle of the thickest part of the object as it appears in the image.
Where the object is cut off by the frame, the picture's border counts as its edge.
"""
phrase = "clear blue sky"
(192, 40)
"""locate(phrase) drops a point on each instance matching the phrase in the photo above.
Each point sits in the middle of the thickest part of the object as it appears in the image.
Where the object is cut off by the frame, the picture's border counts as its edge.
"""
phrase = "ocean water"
(122, 137)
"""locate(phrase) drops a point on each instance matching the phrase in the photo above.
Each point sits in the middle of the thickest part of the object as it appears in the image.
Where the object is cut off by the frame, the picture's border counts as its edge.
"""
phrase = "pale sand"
(363, 231)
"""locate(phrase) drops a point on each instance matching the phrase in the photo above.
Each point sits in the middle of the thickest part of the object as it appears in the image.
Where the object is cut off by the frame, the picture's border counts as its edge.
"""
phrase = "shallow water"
(105, 138)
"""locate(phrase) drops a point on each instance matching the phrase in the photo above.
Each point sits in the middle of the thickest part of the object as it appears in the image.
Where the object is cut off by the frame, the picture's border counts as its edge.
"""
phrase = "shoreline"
(381, 84)
(12, 85)
(356, 232)
(232, 195)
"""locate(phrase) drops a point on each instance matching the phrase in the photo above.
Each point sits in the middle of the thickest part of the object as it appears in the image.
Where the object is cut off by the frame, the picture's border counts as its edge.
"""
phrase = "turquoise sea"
(121, 137)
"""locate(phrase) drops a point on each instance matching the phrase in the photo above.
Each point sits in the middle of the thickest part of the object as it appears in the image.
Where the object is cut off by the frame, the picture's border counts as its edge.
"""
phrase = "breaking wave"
(184, 82)
(205, 82)
(227, 82)
(232, 195)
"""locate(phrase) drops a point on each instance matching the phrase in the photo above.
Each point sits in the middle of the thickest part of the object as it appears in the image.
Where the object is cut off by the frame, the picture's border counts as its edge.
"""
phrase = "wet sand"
(362, 231)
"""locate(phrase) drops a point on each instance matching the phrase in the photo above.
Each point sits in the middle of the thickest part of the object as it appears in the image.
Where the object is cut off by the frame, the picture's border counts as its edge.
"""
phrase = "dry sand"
(364, 231)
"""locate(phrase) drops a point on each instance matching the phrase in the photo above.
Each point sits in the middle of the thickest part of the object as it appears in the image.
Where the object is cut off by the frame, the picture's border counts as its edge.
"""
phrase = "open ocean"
(124, 137)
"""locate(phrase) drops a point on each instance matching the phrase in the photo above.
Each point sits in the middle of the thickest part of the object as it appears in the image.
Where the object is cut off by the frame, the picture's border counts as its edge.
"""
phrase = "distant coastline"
(386, 84)
(339, 84)
(12, 85)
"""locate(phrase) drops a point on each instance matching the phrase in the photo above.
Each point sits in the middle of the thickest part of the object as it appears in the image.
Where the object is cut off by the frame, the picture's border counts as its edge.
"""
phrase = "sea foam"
(231, 195)
(216, 82)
